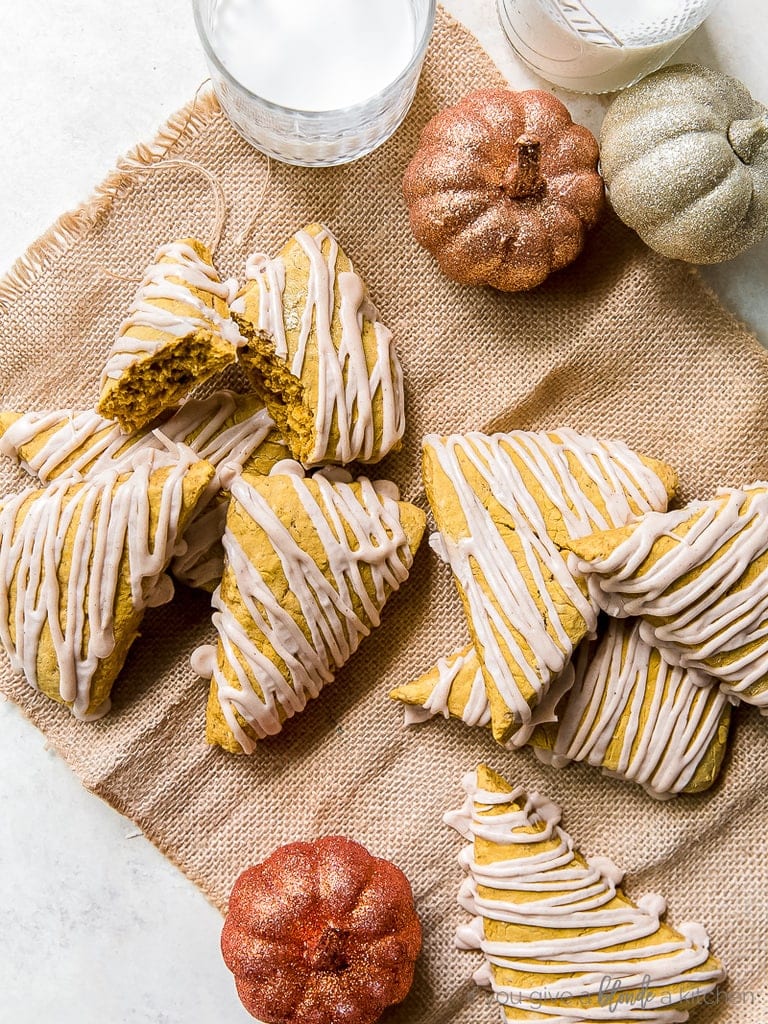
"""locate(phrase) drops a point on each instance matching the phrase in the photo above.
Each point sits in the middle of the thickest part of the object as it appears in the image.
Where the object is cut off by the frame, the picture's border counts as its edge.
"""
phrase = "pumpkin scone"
(318, 354)
(177, 334)
(698, 578)
(224, 427)
(506, 506)
(455, 688)
(636, 716)
(310, 563)
(80, 561)
(201, 564)
(622, 708)
(561, 940)
(227, 429)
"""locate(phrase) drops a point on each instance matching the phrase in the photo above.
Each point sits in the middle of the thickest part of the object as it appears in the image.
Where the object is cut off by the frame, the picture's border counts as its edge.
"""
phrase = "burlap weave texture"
(622, 344)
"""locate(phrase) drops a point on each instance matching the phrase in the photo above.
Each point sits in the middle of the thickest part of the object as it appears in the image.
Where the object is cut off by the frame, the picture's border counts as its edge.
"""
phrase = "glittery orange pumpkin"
(321, 933)
(503, 188)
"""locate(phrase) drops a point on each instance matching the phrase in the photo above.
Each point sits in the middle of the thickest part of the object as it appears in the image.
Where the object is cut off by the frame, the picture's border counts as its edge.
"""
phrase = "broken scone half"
(80, 561)
(698, 578)
(561, 940)
(310, 563)
(178, 333)
(318, 354)
(506, 505)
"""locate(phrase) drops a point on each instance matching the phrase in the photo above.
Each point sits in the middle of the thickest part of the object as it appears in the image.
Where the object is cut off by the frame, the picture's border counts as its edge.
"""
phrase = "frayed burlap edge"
(73, 225)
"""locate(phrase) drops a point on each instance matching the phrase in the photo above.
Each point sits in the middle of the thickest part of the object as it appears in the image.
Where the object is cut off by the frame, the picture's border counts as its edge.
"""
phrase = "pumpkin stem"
(523, 177)
(748, 137)
(328, 950)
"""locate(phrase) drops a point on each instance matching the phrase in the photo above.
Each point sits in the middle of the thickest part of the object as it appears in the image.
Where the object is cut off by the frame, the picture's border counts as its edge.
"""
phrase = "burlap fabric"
(623, 344)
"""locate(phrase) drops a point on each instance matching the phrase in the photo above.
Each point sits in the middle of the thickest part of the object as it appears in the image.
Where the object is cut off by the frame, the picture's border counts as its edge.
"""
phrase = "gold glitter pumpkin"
(503, 188)
(684, 154)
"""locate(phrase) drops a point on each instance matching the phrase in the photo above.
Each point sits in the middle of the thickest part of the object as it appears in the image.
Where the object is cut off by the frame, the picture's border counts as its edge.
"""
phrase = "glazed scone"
(310, 563)
(224, 427)
(80, 561)
(227, 429)
(561, 940)
(698, 578)
(455, 688)
(505, 507)
(201, 564)
(622, 708)
(639, 718)
(317, 353)
(177, 334)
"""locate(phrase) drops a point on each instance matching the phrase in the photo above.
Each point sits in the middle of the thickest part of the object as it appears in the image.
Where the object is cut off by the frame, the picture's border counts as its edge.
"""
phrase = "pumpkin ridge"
(571, 201)
(633, 145)
(680, 181)
(692, 212)
(748, 136)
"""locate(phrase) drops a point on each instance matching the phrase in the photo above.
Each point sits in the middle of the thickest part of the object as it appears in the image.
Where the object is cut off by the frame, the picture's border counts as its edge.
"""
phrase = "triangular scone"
(505, 506)
(325, 365)
(227, 429)
(224, 427)
(455, 688)
(310, 563)
(177, 334)
(698, 577)
(80, 561)
(561, 940)
(636, 716)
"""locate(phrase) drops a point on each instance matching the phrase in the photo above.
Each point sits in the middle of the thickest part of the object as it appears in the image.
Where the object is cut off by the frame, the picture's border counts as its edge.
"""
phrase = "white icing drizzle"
(345, 388)
(624, 483)
(576, 960)
(180, 261)
(94, 443)
(613, 687)
(200, 561)
(477, 710)
(98, 518)
(706, 616)
(325, 606)
(198, 424)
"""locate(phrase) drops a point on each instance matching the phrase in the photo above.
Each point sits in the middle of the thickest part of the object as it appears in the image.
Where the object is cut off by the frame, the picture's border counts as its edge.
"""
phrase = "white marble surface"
(95, 926)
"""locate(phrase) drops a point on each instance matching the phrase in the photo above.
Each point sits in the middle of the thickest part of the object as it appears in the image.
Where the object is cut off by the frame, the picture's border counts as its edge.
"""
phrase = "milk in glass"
(314, 54)
(599, 45)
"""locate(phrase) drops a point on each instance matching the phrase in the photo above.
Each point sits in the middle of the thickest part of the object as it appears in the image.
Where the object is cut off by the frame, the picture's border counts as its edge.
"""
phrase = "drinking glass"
(315, 138)
(598, 45)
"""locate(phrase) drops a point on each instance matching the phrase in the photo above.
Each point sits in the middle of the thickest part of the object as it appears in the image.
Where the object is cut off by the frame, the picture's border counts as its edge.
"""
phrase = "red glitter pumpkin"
(321, 933)
(503, 188)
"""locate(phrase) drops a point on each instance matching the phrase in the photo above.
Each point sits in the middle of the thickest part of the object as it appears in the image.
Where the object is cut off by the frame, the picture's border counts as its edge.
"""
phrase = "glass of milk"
(315, 82)
(599, 45)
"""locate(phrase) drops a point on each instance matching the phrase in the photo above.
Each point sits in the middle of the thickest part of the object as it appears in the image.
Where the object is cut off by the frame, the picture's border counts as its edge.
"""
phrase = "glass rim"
(315, 115)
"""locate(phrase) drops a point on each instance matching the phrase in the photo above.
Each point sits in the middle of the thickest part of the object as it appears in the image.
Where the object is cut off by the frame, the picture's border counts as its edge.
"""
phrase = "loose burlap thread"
(622, 344)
